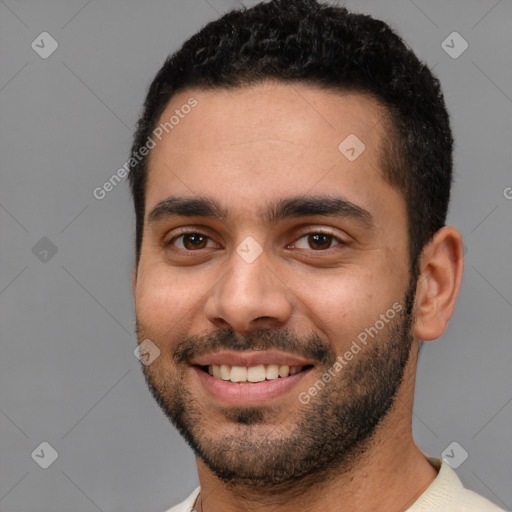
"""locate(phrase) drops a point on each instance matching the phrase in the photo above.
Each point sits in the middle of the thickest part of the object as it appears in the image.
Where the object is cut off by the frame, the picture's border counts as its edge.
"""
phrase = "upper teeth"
(252, 373)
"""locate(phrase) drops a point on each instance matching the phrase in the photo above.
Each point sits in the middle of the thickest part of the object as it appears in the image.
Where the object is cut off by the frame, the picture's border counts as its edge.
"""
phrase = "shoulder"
(446, 493)
(187, 504)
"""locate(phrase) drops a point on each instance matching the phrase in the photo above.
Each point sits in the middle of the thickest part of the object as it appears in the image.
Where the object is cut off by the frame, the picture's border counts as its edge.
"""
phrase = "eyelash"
(307, 233)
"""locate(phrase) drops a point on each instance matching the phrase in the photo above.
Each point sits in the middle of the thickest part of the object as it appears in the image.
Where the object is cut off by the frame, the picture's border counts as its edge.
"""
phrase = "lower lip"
(248, 393)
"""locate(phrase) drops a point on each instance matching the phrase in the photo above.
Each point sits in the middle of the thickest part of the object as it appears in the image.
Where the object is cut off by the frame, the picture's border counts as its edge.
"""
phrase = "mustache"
(310, 347)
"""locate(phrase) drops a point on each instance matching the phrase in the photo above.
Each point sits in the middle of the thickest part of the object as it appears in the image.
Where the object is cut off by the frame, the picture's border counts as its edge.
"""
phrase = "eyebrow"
(291, 207)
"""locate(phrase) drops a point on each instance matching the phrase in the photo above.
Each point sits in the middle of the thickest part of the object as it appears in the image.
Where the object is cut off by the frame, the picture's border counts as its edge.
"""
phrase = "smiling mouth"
(252, 374)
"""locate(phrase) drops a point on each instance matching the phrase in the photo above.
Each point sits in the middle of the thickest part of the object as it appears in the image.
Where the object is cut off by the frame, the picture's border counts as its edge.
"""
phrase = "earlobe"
(441, 269)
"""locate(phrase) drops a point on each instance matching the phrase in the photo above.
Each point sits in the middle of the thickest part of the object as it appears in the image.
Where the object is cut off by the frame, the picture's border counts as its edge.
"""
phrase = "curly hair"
(304, 41)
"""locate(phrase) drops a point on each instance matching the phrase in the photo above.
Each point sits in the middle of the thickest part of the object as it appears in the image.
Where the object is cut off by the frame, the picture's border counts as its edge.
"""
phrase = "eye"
(190, 241)
(316, 241)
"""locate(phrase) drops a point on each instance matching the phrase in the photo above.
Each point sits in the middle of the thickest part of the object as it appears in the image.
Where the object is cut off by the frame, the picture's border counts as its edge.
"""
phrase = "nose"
(250, 295)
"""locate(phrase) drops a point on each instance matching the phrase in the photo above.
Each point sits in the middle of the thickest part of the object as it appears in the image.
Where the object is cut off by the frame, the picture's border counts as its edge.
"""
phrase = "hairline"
(389, 132)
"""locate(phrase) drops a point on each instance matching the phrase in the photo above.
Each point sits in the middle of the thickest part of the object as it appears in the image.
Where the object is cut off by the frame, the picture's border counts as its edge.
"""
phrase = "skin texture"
(246, 148)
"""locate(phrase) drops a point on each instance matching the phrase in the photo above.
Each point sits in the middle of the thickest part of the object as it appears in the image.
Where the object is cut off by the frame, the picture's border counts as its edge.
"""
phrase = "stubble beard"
(328, 435)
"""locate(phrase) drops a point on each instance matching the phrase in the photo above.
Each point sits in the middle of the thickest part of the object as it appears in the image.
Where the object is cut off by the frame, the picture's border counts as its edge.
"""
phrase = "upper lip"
(249, 358)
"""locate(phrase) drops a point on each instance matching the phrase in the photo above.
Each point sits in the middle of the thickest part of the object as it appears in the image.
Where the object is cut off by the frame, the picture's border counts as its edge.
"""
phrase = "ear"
(134, 280)
(441, 269)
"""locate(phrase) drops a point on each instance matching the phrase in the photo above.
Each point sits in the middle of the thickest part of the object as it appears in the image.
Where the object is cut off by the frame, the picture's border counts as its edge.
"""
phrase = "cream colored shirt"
(445, 494)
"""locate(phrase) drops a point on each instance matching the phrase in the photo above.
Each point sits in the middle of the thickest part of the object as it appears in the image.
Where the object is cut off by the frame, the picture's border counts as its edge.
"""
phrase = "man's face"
(276, 282)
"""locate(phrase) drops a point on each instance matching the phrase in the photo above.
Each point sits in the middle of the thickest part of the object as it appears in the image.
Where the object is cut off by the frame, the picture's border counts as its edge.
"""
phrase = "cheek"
(344, 304)
(166, 300)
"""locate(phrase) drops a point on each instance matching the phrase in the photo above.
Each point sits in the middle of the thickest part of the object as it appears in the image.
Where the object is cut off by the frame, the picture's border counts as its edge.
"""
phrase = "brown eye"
(320, 241)
(317, 241)
(190, 241)
(194, 241)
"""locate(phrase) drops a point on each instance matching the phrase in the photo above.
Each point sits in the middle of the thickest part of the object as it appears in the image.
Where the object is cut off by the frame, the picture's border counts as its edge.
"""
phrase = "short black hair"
(304, 41)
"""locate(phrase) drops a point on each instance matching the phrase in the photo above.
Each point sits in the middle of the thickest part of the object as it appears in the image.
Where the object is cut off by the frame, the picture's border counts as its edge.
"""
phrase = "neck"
(389, 475)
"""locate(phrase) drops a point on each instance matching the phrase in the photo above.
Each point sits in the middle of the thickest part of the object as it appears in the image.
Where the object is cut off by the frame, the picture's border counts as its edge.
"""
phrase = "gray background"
(68, 375)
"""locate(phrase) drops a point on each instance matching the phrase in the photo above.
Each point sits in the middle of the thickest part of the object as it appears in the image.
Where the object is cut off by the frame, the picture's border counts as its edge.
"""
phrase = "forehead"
(268, 140)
